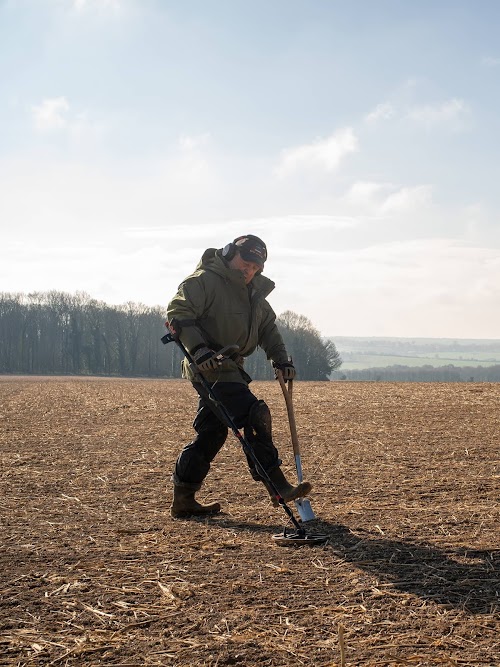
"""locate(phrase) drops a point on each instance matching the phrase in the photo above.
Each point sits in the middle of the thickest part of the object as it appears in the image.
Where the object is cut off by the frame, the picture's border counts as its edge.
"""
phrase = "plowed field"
(93, 571)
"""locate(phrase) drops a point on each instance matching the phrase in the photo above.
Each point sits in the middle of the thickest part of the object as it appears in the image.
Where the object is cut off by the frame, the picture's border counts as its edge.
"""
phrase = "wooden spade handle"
(287, 393)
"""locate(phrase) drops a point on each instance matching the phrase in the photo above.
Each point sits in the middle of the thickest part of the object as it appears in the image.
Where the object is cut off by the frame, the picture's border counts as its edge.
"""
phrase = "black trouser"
(194, 461)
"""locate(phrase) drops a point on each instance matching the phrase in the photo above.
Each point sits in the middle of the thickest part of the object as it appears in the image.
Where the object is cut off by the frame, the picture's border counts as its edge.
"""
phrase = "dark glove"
(206, 359)
(287, 368)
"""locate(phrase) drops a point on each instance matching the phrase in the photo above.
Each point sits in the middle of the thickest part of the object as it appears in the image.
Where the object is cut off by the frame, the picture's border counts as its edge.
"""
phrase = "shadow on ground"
(460, 578)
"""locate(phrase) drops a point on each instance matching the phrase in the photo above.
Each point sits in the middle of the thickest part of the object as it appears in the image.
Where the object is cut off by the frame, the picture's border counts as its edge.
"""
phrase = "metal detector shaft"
(247, 448)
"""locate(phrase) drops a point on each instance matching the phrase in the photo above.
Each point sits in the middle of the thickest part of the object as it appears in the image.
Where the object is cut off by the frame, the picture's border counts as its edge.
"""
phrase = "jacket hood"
(212, 260)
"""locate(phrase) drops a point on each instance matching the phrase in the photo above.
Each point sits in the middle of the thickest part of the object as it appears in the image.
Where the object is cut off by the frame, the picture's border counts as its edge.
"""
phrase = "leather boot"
(285, 489)
(184, 504)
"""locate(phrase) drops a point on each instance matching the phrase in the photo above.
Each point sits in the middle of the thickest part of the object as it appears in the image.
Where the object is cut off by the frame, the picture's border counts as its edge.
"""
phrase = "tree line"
(57, 333)
(426, 373)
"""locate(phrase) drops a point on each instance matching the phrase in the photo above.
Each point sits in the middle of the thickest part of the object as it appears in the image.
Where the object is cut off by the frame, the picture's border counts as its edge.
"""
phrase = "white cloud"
(194, 142)
(407, 199)
(79, 193)
(81, 5)
(384, 111)
(325, 154)
(270, 228)
(449, 113)
(56, 115)
(51, 114)
(102, 270)
(429, 287)
(85, 132)
(290, 224)
(364, 195)
(380, 201)
(489, 61)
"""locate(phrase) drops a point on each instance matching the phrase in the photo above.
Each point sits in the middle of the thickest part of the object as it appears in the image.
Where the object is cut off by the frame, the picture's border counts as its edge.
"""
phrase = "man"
(224, 303)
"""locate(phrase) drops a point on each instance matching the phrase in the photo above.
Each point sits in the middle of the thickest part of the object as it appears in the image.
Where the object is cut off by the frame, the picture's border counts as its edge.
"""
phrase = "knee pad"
(259, 423)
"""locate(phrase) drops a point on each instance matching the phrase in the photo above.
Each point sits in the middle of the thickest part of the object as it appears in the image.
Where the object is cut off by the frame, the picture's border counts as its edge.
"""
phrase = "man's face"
(248, 269)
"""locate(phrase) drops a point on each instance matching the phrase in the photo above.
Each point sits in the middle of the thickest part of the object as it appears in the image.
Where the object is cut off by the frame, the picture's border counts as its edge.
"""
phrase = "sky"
(359, 139)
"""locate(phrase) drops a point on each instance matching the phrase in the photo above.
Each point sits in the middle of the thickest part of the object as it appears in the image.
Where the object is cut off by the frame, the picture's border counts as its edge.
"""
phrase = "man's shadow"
(460, 578)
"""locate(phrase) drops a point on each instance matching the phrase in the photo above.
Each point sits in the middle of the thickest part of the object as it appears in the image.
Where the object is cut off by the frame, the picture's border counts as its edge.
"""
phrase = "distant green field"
(473, 357)
(362, 361)
(360, 353)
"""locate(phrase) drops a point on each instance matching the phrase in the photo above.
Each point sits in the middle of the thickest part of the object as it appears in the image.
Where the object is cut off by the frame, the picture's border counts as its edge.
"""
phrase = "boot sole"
(182, 514)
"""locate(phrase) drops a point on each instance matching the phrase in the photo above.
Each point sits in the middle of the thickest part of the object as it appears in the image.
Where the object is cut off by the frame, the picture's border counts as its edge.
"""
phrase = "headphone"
(229, 251)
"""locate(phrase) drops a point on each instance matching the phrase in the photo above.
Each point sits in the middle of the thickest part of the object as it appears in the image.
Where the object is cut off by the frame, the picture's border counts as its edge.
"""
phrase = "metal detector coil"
(299, 539)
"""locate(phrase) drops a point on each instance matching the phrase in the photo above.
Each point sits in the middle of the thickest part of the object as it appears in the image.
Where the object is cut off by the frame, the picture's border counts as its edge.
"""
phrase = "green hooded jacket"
(214, 307)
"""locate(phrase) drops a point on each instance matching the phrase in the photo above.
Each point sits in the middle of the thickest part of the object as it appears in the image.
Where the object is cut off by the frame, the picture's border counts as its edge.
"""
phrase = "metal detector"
(297, 538)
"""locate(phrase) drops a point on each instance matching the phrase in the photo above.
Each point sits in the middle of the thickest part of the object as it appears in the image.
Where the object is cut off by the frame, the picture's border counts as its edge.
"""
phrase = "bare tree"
(59, 333)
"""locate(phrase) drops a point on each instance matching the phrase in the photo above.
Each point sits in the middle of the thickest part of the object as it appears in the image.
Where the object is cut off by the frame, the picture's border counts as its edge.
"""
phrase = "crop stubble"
(94, 571)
